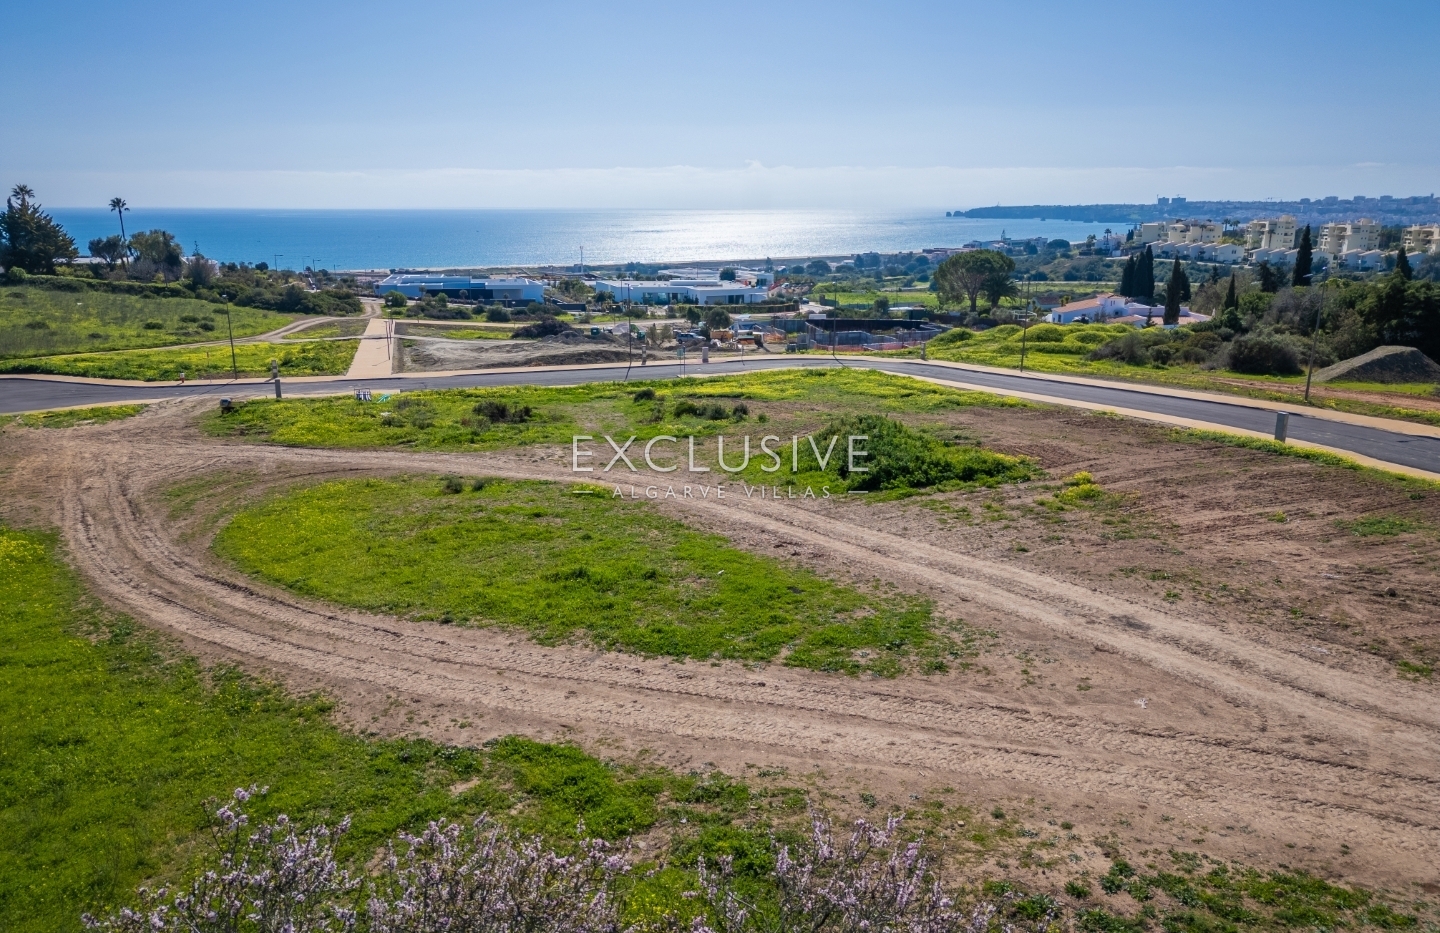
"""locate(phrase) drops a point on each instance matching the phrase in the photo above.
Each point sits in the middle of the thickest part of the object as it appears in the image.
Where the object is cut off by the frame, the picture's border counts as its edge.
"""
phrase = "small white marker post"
(1282, 425)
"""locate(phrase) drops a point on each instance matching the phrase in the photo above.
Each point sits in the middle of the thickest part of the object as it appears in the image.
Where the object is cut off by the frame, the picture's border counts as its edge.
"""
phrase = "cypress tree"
(1402, 265)
(1230, 300)
(1184, 283)
(1127, 279)
(1179, 285)
(1145, 277)
(1303, 260)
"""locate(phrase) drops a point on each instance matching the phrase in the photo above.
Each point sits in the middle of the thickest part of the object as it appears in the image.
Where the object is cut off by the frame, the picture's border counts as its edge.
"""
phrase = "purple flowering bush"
(483, 878)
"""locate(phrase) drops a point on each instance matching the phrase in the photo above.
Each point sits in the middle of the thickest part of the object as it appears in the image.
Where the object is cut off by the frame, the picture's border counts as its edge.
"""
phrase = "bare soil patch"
(433, 355)
(1207, 658)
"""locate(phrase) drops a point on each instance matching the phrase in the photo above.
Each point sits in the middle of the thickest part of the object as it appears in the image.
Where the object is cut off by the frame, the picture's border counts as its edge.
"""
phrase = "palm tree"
(119, 206)
(24, 193)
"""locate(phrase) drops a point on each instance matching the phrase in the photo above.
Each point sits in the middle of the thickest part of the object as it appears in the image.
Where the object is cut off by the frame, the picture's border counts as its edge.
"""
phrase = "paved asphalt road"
(1405, 449)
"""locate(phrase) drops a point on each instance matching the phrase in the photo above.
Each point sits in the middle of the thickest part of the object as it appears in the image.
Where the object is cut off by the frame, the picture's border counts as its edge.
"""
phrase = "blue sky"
(733, 105)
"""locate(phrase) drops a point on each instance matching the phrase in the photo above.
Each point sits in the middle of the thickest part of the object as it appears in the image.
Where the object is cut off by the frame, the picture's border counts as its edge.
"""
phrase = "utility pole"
(230, 326)
(1314, 337)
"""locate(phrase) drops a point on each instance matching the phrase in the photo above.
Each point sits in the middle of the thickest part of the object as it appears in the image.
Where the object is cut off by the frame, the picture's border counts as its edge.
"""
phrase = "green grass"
(333, 329)
(76, 322)
(867, 297)
(111, 741)
(317, 358)
(444, 420)
(559, 564)
(1371, 526)
(488, 332)
(1054, 348)
(70, 417)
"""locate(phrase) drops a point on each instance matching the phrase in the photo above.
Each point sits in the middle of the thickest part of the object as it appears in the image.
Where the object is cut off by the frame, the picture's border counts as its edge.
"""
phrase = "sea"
(437, 239)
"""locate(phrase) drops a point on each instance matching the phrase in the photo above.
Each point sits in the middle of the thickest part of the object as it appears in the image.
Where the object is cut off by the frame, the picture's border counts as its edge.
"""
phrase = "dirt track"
(1255, 744)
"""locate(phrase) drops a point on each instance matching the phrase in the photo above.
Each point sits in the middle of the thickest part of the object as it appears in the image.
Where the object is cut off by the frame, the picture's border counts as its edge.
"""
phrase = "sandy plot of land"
(1177, 669)
(439, 355)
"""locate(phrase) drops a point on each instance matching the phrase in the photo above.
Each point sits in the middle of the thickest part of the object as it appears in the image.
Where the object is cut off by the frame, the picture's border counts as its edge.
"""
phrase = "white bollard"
(1282, 425)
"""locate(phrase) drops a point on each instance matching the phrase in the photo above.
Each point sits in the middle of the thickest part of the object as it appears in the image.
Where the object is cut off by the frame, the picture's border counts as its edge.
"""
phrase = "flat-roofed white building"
(1339, 238)
(1193, 231)
(1422, 238)
(1272, 233)
(464, 287)
(688, 291)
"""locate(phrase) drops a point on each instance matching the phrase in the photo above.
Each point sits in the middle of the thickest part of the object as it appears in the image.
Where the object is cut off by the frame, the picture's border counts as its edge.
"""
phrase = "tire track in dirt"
(1234, 773)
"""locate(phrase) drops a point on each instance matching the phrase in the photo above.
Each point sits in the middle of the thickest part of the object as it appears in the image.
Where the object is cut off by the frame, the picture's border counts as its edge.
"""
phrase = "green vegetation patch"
(1379, 526)
(45, 322)
(457, 333)
(562, 562)
(112, 742)
(898, 457)
(71, 417)
(446, 420)
(317, 358)
(332, 329)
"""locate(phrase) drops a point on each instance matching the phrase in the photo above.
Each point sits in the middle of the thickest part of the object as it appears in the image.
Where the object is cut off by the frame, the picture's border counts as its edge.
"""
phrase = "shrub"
(395, 300)
(1127, 349)
(952, 337)
(900, 457)
(1261, 355)
(452, 485)
(1047, 333)
(645, 395)
(153, 325)
(547, 326)
(502, 413)
(741, 410)
(497, 314)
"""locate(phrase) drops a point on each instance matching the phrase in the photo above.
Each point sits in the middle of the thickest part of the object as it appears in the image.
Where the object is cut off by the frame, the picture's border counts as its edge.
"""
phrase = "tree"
(1127, 279)
(999, 285)
(727, 275)
(717, 318)
(159, 252)
(964, 275)
(119, 206)
(1145, 277)
(1303, 260)
(1269, 277)
(818, 267)
(199, 270)
(1230, 310)
(29, 238)
(1402, 265)
(395, 299)
(110, 248)
(1178, 286)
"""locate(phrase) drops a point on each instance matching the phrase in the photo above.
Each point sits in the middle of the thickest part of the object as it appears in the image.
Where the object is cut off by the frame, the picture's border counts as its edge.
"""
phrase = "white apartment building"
(1193, 231)
(1422, 238)
(697, 291)
(1199, 252)
(1361, 260)
(1360, 236)
(1273, 233)
(1150, 233)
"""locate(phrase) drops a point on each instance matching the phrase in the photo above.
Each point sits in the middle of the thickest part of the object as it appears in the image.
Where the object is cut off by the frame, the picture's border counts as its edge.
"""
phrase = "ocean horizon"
(431, 239)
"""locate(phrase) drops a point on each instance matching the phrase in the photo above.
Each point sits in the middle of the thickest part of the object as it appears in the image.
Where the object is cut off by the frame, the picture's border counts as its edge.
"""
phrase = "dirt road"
(1208, 736)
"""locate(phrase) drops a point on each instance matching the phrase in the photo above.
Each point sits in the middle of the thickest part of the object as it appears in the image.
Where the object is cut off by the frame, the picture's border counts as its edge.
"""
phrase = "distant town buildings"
(700, 291)
(1422, 238)
(463, 287)
(1272, 233)
(1336, 239)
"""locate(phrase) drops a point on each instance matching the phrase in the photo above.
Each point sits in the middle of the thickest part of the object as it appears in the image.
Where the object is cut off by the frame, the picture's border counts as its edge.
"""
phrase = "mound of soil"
(565, 350)
(1384, 364)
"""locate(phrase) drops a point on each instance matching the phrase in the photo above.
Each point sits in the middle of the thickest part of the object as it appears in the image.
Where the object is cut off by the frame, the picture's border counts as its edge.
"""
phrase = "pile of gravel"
(1383, 364)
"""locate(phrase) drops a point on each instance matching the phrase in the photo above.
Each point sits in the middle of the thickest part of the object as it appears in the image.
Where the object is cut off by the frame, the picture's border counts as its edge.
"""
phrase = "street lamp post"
(1024, 332)
(230, 326)
(1314, 338)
